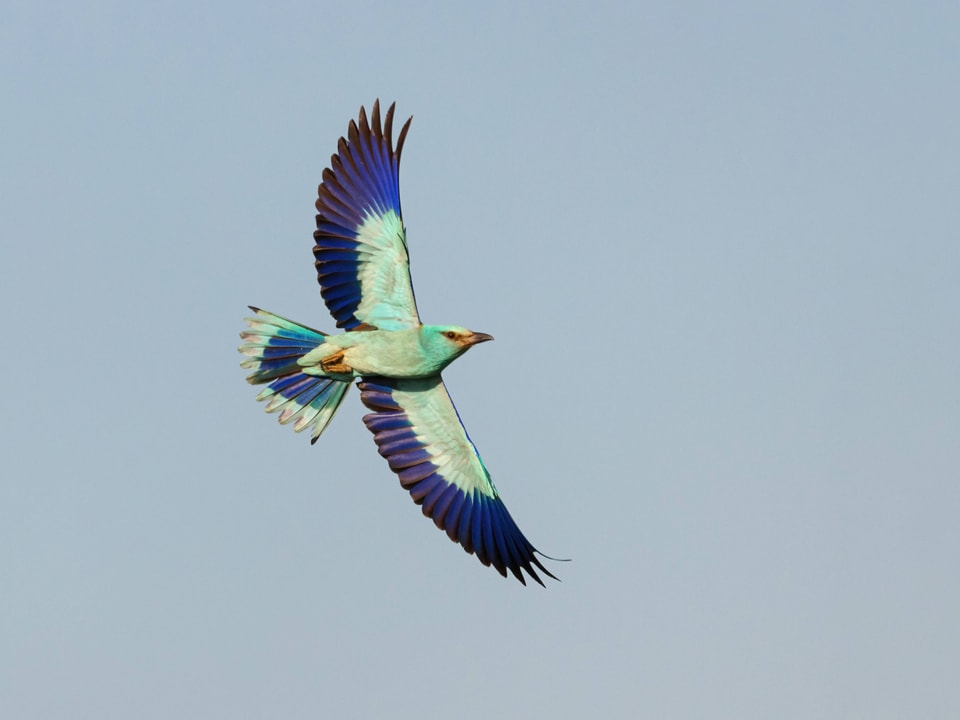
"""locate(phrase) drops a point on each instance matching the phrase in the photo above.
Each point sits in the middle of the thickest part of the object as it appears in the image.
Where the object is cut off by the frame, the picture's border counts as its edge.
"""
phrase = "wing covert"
(360, 243)
(419, 432)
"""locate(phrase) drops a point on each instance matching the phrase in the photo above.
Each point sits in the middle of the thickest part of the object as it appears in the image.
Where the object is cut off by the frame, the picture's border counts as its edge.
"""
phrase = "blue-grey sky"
(718, 245)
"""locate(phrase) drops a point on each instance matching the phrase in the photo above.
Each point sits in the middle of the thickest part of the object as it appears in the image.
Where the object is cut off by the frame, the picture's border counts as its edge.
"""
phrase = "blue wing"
(360, 242)
(417, 429)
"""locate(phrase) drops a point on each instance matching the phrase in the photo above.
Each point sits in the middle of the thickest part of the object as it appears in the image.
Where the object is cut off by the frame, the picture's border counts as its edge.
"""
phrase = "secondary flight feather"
(363, 268)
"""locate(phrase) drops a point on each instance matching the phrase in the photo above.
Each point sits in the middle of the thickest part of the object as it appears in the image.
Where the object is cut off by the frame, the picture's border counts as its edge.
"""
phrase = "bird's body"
(415, 352)
(364, 274)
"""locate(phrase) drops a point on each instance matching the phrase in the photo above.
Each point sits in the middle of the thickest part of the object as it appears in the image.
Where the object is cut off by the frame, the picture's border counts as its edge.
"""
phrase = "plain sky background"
(718, 245)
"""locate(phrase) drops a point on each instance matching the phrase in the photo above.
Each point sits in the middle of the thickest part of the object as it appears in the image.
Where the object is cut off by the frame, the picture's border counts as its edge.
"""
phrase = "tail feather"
(273, 345)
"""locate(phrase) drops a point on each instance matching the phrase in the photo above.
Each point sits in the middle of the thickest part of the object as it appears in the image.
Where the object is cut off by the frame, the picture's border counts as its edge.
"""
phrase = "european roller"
(360, 247)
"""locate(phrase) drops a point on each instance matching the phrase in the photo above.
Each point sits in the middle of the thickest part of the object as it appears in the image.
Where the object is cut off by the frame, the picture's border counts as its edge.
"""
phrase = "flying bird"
(363, 269)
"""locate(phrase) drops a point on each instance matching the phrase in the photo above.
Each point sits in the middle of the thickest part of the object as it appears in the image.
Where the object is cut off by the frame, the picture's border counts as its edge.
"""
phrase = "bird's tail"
(273, 345)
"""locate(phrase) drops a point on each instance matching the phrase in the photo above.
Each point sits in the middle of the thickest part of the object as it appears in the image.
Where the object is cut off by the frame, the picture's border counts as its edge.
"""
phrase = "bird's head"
(445, 343)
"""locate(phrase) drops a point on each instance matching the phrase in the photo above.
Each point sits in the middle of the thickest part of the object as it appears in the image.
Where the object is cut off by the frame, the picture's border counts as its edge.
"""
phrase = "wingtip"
(364, 126)
(403, 136)
(385, 129)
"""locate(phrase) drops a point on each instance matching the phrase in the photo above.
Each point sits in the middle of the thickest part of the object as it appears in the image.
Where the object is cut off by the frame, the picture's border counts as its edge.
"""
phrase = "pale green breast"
(395, 354)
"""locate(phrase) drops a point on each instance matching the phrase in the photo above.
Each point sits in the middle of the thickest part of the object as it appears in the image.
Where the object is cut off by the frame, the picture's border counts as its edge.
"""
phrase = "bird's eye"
(451, 334)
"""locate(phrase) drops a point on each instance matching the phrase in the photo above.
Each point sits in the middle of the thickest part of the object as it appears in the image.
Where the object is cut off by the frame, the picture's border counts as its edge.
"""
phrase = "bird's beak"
(476, 338)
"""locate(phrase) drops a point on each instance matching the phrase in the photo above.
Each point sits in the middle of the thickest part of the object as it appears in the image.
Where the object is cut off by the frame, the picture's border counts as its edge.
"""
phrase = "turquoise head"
(442, 344)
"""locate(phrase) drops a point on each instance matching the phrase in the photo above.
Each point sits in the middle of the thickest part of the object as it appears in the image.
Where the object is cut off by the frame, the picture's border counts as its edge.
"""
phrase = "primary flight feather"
(364, 275)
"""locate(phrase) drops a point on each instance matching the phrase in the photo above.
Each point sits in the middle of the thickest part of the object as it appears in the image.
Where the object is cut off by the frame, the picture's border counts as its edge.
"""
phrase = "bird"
(362, 264)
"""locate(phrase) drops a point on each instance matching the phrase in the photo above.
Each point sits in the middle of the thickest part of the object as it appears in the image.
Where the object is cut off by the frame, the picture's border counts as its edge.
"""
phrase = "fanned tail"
(273, 345)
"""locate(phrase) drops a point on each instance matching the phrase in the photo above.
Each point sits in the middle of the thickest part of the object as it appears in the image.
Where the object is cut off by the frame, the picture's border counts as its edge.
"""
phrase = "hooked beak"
(477, 338)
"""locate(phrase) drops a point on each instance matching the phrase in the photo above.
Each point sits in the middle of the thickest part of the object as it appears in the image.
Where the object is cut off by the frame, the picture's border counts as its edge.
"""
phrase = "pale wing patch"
(386, 294)
(438, 427)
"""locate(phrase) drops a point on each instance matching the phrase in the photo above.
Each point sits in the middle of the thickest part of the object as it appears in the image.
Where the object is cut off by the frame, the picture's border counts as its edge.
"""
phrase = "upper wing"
(361, 246)
(419, 432)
